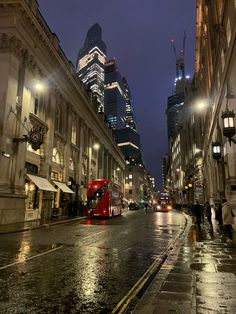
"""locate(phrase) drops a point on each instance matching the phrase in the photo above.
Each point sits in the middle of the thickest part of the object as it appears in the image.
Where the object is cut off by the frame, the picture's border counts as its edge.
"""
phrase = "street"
(81, 267)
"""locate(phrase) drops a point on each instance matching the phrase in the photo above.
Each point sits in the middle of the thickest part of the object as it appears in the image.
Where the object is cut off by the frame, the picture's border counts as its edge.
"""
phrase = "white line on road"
(93, 235)
(29, 258)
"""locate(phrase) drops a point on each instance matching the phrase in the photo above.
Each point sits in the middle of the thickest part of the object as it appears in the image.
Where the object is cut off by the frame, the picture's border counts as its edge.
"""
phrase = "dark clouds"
(137, 34)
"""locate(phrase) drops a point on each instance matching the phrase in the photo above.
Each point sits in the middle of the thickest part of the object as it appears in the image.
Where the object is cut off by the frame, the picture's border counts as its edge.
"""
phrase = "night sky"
(138, 34)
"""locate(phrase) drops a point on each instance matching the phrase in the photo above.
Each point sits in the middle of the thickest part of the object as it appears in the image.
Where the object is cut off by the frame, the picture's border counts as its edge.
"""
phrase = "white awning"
(42, 183)
(63, 187)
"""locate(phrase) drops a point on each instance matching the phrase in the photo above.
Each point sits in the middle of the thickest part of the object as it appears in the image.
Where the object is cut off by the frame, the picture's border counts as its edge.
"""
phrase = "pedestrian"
(198, 210)
(208, 213)
(219, 214)
(146, 207)
(228, 218)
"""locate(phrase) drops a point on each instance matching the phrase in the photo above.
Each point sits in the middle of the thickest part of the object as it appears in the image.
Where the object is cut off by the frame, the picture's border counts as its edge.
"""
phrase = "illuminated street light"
(216, 150)
(229, 124)
(39, 86)
(96, 146)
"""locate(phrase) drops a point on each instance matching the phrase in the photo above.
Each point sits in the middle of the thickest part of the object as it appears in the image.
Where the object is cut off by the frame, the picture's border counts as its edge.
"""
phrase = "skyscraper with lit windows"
(115, 104)
(129, 111)
(90, 64)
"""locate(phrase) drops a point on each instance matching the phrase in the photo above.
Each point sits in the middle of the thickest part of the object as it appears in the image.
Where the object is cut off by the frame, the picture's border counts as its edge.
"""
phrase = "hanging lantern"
(216, 150)
(228, 123)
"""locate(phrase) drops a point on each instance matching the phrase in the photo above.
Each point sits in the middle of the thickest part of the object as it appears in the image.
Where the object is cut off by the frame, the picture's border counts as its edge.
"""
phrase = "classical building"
(52, 140)
(207, 156)
(215, 83)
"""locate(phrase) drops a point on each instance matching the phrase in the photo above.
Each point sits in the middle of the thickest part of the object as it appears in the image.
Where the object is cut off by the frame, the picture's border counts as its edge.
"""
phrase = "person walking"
(228, 218)
(198, 210)
(208, 213)
(219, 214)
(146, 207)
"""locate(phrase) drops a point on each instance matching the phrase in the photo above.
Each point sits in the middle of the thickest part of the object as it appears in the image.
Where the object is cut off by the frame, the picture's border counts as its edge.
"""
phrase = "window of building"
(73, 133)
(58, 117)
(56, 156)
(228, 31)
(130, 184)
(222, 60)
(36, 105)
(130, 191)
(71, 164)
(30, 149)
(130, 176)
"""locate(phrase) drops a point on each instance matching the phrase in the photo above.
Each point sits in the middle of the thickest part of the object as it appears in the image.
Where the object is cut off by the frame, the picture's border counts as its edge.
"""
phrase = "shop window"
(130, 191)
(31, 168)
(32, 200)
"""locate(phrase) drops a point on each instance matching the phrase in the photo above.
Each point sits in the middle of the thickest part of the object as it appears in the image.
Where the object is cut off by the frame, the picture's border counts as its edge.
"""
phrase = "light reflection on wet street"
(81, 267)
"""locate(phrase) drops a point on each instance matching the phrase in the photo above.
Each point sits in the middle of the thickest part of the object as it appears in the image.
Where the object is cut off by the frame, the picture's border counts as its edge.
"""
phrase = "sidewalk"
(29, 225)
(199, 276)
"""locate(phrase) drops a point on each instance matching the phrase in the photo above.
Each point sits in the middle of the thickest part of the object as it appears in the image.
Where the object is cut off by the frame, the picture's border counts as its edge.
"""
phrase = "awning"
(42, 183)
(63, 187)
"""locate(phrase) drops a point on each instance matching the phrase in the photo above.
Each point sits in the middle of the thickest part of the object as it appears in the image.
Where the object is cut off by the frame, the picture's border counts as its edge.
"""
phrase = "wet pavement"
(36, 224)
(199, 276)
(83, 266)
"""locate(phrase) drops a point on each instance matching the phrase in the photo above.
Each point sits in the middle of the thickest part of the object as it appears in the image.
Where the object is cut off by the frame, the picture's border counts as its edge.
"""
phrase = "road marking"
(32, 257)
(93, 235)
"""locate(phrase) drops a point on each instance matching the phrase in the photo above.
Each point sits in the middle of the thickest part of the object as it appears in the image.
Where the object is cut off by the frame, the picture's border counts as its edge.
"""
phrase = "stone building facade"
(43, 101)
(211, 93)
(216, 86)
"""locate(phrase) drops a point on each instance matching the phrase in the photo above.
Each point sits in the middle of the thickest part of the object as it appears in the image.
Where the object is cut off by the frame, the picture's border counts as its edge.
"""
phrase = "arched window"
(71, 164)
(56, 156)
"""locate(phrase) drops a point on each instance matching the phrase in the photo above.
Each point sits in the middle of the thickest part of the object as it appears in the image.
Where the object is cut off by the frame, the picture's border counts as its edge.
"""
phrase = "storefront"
(62, 201)
(39, 192)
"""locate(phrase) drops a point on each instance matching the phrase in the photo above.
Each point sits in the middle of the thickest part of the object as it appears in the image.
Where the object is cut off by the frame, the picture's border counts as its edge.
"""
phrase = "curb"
(46, 225)
(133, 296)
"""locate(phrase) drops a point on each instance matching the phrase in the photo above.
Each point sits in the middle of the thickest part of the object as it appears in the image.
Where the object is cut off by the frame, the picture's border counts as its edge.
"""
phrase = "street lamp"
(229, 125)
(96, 146)
(216, 150)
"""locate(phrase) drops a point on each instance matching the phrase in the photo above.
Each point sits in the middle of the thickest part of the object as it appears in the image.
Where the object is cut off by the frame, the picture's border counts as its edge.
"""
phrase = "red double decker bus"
(104, 199)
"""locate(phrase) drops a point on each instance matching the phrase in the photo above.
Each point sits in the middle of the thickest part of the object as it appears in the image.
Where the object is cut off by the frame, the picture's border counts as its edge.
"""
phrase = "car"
(163, 207)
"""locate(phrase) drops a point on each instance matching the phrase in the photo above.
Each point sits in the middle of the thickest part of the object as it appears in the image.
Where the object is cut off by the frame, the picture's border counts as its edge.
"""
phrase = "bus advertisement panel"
(104, 199)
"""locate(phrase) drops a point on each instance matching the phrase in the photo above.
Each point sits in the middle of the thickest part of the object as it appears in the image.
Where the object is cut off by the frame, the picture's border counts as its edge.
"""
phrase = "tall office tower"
(114, 100)
(90, 63)
(174, 105)
(129, 111)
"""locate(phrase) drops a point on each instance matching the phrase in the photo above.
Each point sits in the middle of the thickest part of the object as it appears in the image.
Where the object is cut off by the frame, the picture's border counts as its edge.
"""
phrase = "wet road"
(81, 267)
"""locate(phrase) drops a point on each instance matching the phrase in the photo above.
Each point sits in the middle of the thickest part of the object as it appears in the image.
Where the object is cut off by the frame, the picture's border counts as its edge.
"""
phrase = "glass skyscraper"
(90, 63)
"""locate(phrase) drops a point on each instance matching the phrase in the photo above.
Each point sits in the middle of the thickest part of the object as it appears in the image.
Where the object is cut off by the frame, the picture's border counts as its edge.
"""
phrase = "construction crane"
(180, 57)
